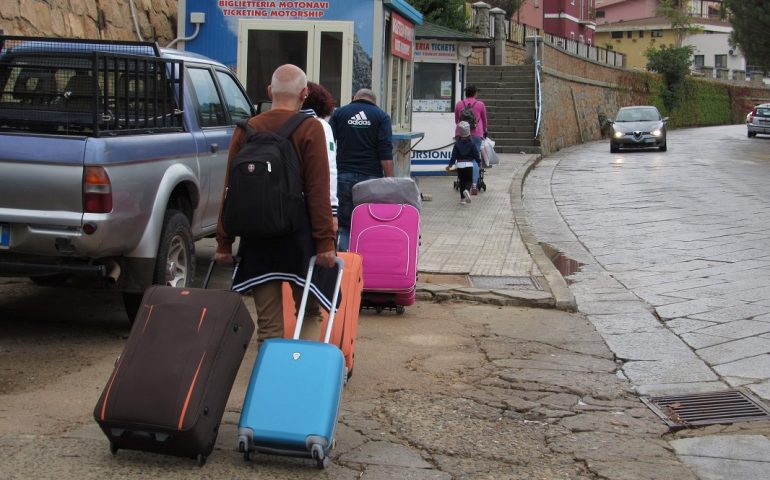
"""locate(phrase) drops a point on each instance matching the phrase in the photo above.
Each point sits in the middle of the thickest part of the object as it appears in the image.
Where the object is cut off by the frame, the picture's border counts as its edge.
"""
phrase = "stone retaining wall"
(98, 19)
(578, 94)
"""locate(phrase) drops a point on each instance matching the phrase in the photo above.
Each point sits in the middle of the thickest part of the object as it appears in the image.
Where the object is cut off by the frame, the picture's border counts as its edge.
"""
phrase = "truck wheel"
(175, 260)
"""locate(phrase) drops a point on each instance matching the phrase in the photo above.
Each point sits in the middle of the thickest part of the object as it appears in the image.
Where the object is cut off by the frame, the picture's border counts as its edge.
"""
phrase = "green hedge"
(698, 102)
(701, 103)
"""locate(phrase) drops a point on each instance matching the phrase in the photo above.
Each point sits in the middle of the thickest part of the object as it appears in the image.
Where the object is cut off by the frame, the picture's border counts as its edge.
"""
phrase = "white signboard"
(435, 50)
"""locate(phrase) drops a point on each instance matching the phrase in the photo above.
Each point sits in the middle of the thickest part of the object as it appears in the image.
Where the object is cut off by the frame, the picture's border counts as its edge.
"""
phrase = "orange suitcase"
(346, 323)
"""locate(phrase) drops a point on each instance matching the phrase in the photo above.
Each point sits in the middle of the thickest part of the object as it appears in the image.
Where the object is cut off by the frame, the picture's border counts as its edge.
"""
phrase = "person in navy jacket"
(364, 151)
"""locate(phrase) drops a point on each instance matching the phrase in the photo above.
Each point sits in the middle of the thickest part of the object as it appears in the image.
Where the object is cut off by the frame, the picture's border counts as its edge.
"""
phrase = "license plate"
(5, 235)
(650, 140)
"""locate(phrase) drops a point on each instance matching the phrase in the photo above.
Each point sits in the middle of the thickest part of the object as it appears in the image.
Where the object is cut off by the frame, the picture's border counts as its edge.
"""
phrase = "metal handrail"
(538, 93)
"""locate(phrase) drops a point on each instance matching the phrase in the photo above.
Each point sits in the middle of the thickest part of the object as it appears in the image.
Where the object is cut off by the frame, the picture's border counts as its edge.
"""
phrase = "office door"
(324, 50)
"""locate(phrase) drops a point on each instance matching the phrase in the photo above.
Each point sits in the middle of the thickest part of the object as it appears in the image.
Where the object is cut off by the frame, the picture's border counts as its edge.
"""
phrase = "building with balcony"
(712, 55)
(570, 19)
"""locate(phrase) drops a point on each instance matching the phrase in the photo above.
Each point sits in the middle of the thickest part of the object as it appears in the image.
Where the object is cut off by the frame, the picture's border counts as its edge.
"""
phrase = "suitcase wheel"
(321, 460)
(400, 309)
(113, 448)
(243, 447)
(201, 458)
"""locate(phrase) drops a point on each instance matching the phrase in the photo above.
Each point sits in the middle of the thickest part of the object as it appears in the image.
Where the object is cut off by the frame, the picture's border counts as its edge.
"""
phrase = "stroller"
(480, 185)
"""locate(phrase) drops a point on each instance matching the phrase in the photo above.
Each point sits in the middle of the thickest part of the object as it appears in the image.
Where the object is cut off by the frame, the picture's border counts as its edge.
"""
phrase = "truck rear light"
(97, 191)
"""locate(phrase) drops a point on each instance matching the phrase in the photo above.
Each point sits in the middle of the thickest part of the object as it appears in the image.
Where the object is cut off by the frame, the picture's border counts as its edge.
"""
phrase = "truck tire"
(174, 261)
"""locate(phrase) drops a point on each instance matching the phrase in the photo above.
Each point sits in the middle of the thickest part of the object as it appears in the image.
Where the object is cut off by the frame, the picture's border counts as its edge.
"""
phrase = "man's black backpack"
(467, 115)
(264, 196)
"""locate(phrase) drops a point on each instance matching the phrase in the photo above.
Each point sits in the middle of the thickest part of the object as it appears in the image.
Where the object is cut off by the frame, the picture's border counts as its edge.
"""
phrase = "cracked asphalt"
(445, 391)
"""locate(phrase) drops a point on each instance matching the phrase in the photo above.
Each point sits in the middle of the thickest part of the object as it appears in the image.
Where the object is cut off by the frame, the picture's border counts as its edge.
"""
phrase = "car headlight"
(656, 132)
(618, 134)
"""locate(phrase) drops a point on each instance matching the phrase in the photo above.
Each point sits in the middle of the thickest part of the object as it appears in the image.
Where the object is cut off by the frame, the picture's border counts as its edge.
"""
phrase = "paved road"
(676, 253)
(445, 391)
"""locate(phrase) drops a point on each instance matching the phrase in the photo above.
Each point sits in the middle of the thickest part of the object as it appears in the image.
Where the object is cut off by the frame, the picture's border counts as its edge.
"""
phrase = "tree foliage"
(447, 13)
(673, 63)
(751, 23)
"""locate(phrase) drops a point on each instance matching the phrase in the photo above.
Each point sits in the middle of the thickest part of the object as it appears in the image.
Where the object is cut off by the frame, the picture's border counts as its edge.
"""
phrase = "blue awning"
(406, 10)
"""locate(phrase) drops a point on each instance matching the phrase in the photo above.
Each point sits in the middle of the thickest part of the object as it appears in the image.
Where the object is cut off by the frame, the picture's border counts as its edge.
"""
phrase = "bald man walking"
(267, 262)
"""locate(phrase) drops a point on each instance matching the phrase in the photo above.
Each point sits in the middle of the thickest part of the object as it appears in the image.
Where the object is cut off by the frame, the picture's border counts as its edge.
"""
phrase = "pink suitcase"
(387, 236)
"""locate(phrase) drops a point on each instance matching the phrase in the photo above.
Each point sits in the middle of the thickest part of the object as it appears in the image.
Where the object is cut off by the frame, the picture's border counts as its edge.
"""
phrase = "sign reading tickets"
(273, 9)
(435, 50)
(402, 35)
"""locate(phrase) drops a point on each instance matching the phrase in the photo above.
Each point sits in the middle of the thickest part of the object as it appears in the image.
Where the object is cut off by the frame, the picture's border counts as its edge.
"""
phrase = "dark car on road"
(638, 127)
(758, 120)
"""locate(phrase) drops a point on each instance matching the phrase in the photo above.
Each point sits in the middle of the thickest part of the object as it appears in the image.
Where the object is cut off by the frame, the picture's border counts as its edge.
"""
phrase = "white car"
(758, 120)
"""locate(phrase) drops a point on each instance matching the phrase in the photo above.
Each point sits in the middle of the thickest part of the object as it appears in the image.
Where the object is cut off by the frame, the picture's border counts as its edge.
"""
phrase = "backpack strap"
(250, 132)
(291, 124)
(285, 131)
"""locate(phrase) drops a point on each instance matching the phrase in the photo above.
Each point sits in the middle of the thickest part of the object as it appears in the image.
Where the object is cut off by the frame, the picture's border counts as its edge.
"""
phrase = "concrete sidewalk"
(484, 251)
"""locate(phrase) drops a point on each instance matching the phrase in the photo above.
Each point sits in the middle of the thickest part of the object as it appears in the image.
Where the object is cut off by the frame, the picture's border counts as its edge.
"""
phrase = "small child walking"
(464, 153)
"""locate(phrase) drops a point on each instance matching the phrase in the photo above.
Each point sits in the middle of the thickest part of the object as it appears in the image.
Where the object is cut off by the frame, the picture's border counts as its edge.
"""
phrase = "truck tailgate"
(41, 185)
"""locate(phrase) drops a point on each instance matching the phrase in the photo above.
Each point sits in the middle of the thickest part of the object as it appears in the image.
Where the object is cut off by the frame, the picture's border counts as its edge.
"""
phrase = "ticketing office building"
(343, 45)
(441, 57)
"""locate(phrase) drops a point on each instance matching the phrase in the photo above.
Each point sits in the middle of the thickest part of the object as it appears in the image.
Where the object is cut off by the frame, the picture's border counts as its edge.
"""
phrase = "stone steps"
(509, 94)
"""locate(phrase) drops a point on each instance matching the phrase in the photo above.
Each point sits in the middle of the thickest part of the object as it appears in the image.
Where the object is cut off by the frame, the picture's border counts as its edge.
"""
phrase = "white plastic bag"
(488, 154)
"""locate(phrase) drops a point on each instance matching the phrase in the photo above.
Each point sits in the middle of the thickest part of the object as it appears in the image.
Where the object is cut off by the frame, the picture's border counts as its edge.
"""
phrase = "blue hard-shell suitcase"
(293, 399)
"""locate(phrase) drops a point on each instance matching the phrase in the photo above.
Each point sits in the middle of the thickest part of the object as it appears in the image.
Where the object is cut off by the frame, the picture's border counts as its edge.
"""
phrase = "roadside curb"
(563, 298)
(509, 298)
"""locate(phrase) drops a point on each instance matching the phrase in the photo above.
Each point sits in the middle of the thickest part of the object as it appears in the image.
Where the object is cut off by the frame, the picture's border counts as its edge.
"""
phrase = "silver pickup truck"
(112, 160)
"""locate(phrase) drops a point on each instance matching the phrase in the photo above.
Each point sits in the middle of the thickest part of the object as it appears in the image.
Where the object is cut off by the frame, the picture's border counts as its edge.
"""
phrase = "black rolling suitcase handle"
(210, 270)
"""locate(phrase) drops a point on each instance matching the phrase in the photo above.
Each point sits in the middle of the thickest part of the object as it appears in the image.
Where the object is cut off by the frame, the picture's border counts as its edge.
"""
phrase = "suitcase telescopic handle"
(305, 291)
(210, 270)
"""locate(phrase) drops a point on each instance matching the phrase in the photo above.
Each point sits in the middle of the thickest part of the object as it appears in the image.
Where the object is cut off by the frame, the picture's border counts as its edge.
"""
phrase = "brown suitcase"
(170, 385)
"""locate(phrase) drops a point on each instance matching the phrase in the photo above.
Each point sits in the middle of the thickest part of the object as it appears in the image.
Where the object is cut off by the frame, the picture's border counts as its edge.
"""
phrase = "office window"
(629, 34)
(600, 14)
(656, 33)
(617, 34)
(720, 61)
(641, 33)
(433, 87)
(698, 61)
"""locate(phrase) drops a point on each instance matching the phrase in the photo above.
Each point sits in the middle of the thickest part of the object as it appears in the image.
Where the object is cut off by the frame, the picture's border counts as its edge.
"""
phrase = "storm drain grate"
(681, 411)
(505, 283)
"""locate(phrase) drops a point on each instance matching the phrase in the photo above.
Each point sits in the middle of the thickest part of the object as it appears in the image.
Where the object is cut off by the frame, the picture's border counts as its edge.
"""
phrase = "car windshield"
(637, 115)
(763, 112)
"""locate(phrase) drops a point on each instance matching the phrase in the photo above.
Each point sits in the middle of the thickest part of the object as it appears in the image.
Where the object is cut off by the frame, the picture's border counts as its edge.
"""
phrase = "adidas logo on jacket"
(359, 119)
